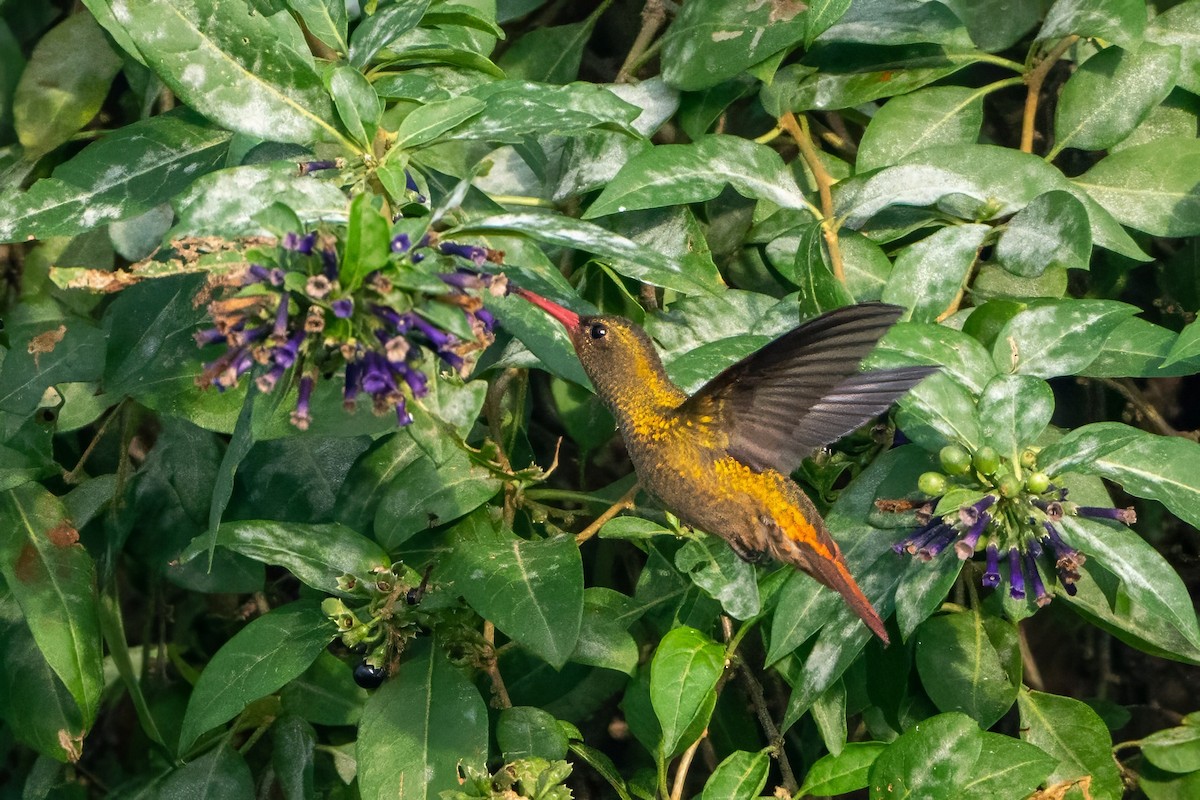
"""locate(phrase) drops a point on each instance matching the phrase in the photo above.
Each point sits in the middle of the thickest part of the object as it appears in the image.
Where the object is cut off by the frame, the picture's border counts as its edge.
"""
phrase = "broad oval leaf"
(714, 567)
(1007, 767)
(418, 727)
(930, 273)
(1074, 734)
(316, 554)
(220, 774)
(1057, 337)
(938, 411)
(960, 356)
(257, 661)
(1162, 468)
(932, 759)
(969, 663)
(1052, 231)
(1013, 411)
(741, 775)
(912, 122)
(531, 590)
(54, 580)
(1153, 187)
(1180, 26)
(1119, 21)
(247, 71)
(1085, 445)
(1174, 749)
(842, 773)
(683, 680)
(528, 732)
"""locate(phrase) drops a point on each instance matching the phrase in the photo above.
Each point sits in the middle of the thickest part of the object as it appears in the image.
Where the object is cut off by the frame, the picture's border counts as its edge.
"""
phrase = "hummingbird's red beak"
(567, 317)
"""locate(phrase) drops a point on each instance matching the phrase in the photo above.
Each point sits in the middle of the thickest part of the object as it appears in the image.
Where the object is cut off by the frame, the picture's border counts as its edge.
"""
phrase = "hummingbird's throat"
(567, 317)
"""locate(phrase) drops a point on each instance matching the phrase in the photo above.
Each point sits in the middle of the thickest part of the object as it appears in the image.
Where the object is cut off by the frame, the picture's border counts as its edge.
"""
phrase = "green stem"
(566, 494)
(987, 58)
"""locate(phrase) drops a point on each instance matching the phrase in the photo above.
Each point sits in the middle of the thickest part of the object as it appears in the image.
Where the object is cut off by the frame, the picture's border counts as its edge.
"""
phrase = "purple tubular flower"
(343, 308)
(485, 316)
(1053, 509)
(329, 261)
(401, 323)
(918, 538)
(350, 392)
(299, 243)
(315, 166)
(208, 336)
(257, 273)
(942, 536)
(1016, 580)
(438, 338)
(1035, 580)
(991, 576)
(965, 547)
(301, 417)
(970, 514)
(1125, 515)
(1067, 559)
(377, 376)
(266, 382)
(463, 279)
(401, 243)
(417, 382)
(281, 318)
(467, 251)
(402, 416)
(285, 355)
(244, 337)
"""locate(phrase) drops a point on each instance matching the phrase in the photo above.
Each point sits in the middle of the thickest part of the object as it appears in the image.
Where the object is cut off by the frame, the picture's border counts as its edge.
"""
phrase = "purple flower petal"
(1016, 580)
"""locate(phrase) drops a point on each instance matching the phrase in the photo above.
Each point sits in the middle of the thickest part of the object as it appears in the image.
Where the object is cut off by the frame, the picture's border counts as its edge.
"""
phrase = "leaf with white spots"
(1162, 468)
(712, 40)
(1118, 21)
(1072, 733)
(912, 122)
(1180, 26)
(937, 412)
(714, 567)
(248, 72)
(673, 174)
(1052, 231)
(920, 343)
(517, 109)
(930, 273)
(1153, 187)
(418, 727)
(126, 173)
(934, 758)
(1014, 410)
(1057, 337)
(531, 590)
(1111, 93)
(225, 202)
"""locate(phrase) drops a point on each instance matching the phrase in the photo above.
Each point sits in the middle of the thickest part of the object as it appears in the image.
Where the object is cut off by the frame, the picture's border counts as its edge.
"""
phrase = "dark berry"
(368, 676)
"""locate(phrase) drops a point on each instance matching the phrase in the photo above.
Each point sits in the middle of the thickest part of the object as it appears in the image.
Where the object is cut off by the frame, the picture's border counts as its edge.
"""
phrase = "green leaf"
(1052, 231)
(683, 680)
(930, 273)
(1119, 21)
(1180, 26)
(842, 773)
(741, 775)
(1138, 349)
(710, 40)
(428, 122)
(367, 246)
(1162, 468)
(1174, 749)
(1007, 767)
(358, 106)
(960, 356)
(996, 25)
(549, 54)
(1057, 337)
(829, 712)
(325, 694)
(316, 554)
(912, 122)
(257, 661)
(50, 351)
(628, 257)
(227, 202)
(324, 19)
(1111, 93)
(249, 72)
(101, 184)
(922, 591)
(1014, 410)
(714, 567)
(938, 412)
(1071, 732)
(933, 759)
(418, 727)
(220, 774)
(292, 756)
(603, 638)
(63, 85)
(1154, 187)
(376, 31)
(528, 732)
(1187, 346)
(799, 87)
(531, 590)
(516, 110)
(969, 663)
(1084, 445)
(54, 580)
(691, 173)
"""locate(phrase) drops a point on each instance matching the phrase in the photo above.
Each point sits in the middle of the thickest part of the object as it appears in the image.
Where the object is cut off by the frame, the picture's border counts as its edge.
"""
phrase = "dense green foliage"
(202, 549)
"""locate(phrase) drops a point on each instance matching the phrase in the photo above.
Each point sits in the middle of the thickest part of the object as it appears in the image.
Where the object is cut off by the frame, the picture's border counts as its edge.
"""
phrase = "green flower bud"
(986, 460)
(1037, 482)
(955, 459)
(932, 484)
(1009, 486)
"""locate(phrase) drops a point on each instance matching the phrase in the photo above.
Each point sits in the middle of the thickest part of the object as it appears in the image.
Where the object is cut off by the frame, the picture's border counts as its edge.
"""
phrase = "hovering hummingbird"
(720, 460)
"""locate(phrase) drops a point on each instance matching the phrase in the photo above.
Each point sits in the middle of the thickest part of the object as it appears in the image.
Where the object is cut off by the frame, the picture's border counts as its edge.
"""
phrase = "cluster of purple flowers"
(979, 524)
(295, 316)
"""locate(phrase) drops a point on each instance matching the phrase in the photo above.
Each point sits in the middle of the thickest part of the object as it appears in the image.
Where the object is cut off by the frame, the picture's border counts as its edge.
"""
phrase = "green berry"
(1028, 458)
(932, 483)
(955, 459)
(1037, 482)
(987, 460)
(1009, 486)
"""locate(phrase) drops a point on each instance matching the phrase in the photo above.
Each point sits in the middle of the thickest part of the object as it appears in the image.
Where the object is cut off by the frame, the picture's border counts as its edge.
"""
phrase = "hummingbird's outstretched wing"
(804, 390)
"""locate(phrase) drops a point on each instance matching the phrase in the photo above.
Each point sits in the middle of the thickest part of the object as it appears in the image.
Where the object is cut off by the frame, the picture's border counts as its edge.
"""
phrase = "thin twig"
(1033, 675)
(759, 701)
(73, 475)
(685, 763)
(798, 129)
(654, 14)
(1034, 80)
(493, 667)
(1144, 407)
(493, 411)
(625, 502)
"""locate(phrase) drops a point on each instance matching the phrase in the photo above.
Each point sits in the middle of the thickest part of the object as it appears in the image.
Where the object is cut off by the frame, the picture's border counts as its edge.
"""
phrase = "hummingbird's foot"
(750, 555)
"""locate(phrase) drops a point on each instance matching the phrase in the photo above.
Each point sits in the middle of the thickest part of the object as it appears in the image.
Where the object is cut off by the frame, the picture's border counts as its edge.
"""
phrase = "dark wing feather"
(804, 390)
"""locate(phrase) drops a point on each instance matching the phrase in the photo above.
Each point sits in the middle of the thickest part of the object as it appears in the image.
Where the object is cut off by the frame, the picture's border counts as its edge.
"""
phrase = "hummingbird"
(721, 459)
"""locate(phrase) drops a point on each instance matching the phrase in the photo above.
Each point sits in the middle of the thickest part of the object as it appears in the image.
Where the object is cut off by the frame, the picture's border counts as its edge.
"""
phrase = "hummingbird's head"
(612, 349)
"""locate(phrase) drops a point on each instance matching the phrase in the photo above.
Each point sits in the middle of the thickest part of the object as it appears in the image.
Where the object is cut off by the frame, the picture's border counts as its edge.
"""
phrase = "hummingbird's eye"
(598, 330)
